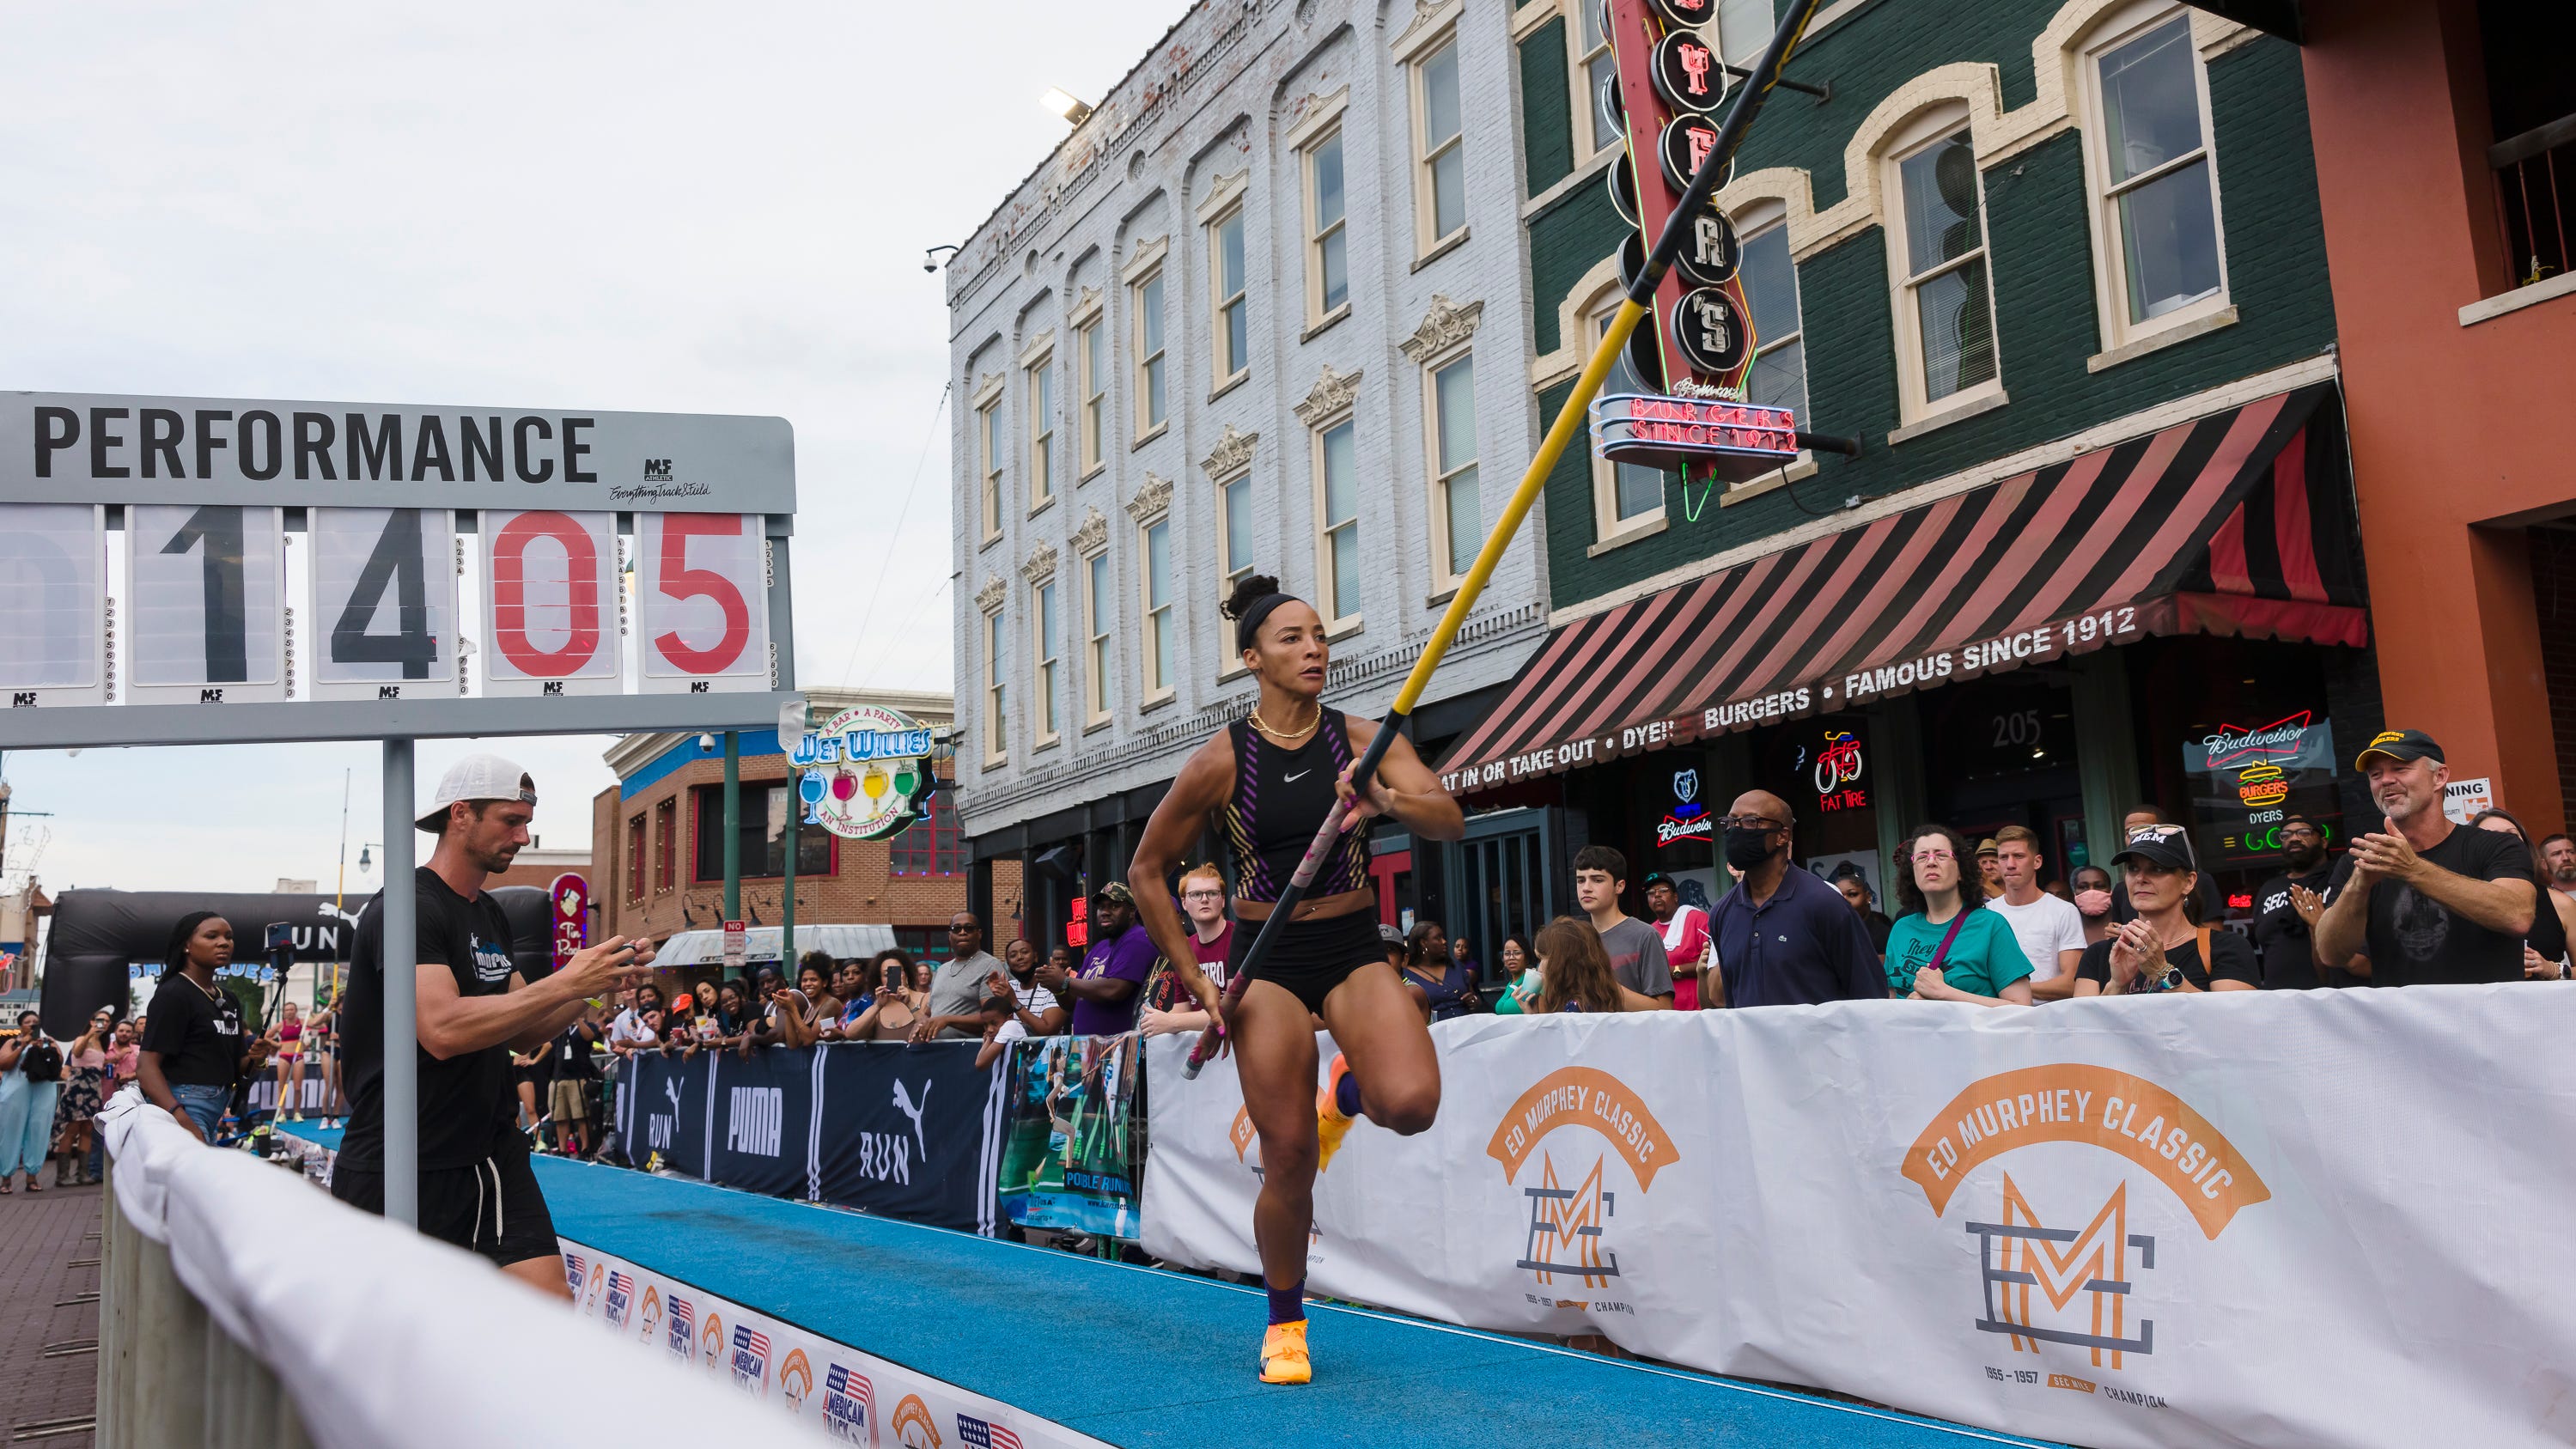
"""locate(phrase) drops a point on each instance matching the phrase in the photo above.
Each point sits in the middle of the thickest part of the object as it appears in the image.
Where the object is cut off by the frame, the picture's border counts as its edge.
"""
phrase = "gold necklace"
(1287, 736)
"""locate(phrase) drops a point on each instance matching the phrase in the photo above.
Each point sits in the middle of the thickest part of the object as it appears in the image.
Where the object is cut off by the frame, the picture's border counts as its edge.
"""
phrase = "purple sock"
(1287, 1305)
(1346, 1095)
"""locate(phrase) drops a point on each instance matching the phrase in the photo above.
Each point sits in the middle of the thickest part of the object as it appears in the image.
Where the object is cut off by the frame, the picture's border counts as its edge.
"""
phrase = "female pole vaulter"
(1268, 784)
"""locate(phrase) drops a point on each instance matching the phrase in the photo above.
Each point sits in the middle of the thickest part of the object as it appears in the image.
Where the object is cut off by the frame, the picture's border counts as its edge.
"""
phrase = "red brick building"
(658, 839)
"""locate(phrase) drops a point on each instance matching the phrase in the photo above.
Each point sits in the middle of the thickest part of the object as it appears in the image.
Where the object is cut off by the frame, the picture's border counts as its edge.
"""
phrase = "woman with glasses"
(1946, 946)
(2163, 949)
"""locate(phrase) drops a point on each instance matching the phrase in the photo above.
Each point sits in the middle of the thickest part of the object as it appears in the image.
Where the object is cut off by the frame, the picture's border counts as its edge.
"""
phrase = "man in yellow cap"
(2425, 900)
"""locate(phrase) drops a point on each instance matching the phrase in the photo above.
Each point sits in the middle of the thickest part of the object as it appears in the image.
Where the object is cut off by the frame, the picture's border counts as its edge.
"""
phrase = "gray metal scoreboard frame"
(203, 648)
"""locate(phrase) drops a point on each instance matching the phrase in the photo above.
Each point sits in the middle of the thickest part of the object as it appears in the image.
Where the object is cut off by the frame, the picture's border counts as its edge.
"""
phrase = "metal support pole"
(733, 826)
(787, 898)
(402, 1031)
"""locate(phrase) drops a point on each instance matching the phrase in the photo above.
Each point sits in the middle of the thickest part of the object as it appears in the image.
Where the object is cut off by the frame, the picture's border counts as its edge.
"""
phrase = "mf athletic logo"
(2059, 1263)
(657, 470)
(753, 1126)
(1572, 1207)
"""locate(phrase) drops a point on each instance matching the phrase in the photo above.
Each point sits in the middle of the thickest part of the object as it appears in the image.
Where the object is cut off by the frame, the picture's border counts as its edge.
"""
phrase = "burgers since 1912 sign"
(867, 772)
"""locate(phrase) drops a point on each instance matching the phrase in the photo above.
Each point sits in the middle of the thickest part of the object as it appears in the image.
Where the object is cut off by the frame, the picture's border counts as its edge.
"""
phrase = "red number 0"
(679, 581)
(510, 594)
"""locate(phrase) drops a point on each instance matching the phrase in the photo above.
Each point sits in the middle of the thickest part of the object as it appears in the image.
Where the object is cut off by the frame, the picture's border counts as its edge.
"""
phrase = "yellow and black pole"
(1749, 101)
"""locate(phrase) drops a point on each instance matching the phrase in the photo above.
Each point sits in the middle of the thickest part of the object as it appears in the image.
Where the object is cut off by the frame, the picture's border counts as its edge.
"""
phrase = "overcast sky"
(649, 207)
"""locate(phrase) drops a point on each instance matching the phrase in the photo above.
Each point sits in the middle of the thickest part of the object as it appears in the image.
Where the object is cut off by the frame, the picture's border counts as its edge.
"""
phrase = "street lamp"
(1066, 104)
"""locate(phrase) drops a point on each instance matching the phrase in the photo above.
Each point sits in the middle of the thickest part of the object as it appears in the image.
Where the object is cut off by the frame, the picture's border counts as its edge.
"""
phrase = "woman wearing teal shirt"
(1984, 963)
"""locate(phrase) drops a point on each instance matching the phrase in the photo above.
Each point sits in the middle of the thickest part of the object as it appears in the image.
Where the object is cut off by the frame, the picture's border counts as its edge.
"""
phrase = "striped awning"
(2238, 523)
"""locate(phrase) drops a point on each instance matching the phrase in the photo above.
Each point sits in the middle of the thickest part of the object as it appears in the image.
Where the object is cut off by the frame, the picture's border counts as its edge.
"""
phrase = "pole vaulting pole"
(1569, 421)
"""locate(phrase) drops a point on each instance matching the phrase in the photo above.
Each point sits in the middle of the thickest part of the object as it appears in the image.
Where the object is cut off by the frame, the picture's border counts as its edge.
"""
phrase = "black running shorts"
(493, 1207)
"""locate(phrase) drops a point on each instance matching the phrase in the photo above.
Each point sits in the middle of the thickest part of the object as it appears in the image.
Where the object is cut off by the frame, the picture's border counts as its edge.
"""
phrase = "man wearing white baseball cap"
(476, 1188)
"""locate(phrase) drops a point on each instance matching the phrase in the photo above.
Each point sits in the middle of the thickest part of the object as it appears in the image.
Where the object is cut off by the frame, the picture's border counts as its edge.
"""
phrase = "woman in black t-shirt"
(194, 1049)
(2544, 948)
(2161, 949)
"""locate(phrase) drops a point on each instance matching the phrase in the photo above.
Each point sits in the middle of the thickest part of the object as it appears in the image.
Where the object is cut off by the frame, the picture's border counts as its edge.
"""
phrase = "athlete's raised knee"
(1404, 1109)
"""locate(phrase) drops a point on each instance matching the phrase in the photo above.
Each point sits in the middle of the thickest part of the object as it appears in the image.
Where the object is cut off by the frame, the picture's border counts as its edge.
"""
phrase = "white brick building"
(1184, 353)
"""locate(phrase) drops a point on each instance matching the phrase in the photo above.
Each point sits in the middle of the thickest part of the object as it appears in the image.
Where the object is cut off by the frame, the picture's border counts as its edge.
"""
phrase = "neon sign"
(1838, 771)
(1688, 819)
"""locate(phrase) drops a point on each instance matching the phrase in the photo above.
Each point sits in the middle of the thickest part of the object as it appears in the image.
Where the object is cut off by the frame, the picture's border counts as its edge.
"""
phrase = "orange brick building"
(658, 841)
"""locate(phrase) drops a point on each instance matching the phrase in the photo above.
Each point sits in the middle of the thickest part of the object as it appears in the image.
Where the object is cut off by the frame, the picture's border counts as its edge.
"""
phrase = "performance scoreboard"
(460, 571)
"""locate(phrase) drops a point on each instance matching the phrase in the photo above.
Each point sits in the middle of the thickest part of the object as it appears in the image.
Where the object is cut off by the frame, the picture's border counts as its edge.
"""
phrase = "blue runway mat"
(1152, 1359)
(327, 1137)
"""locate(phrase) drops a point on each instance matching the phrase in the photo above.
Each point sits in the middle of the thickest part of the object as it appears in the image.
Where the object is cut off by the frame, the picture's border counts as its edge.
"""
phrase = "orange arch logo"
(2074, 1102)
(652, 1311)
(711, 1342)
(913, 1427)
(796, 1377)
(1583, 1097)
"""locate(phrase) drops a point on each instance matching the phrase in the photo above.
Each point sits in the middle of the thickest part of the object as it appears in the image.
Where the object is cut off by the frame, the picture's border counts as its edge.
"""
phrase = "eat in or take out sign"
(194, 604)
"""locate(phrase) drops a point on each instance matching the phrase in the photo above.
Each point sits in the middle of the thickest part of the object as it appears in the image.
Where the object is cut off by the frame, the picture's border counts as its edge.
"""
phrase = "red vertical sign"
(1638, 30)
(570, 904)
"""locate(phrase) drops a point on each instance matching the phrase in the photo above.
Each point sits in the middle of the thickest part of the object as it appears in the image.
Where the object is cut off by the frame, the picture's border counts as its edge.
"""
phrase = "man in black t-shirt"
(476, 1188)
(2426, 901)
(2286, 908)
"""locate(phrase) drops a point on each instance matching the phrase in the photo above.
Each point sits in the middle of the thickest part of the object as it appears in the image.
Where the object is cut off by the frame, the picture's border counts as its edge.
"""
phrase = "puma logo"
(1293, 779)
(903, 1104)
(671, 1089)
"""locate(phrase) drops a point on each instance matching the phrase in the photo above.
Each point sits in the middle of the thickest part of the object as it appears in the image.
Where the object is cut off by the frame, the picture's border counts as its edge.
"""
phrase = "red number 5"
(679, 581)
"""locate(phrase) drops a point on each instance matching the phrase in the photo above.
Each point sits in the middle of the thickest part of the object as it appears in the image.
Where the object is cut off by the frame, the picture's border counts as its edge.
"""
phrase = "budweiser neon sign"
(2229, 744)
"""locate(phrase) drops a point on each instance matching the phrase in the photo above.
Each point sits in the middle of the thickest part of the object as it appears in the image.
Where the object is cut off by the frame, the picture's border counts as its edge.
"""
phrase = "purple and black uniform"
(1280, 799)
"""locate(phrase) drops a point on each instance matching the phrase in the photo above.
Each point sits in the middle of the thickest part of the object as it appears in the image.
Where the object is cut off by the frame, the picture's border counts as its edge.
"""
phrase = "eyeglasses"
(2289, 830)
(1927, 857)
(1203, 895)
(1748, 822)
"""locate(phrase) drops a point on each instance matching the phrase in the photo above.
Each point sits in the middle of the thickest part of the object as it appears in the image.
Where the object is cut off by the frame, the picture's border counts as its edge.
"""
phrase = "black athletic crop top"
(1280, 800)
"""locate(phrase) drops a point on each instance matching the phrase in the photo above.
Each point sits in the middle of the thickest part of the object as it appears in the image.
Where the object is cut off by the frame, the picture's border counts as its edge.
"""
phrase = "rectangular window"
(1595, 71)
(1453, 467)
(1622, 493)
(988, 428)
(1743, 29)
(993, 720)
(1149, 353)
(1337, 517)
(1234, 557)
(1440, 177)
(761, 831)
(1044, 618)
(1770, 280)
(666, 866)
(2161, 210)
(934, 845)
(635, 858)
(1091, 344)
(1158, 607)
(1041, 431)
(1095, 627)
(1946, 300)
(1328, 261)
(1233, 340)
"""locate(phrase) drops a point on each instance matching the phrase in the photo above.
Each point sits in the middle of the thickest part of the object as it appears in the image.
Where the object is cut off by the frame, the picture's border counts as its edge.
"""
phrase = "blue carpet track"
(1162, 1360)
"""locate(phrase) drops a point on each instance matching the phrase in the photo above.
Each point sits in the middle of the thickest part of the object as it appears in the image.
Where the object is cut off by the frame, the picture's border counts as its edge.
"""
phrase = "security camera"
(706, 743)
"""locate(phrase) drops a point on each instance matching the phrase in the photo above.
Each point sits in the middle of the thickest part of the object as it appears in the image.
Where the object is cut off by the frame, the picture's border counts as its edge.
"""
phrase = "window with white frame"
(1042, 430)
(1458, 524)
(993, 717)
(1769, 277)
(1624, 495)
(1234, 556)
(1091, 347)
(1148, 350)
(1594, 66)
(1945, 300)
(988, 428)
(1158, 639)
(1229, 313)
(1328, 258)
(1048, 664)
(1337, 520)
(2156, 195)
(1095, 628)
(1440, 166)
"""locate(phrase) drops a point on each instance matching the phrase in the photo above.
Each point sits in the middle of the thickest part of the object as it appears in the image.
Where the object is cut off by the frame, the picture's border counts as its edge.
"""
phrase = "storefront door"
(2002, 751)
(1502, 882)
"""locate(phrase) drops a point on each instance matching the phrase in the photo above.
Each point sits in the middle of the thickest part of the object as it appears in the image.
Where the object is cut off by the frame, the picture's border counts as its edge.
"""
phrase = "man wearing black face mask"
(1784, 937)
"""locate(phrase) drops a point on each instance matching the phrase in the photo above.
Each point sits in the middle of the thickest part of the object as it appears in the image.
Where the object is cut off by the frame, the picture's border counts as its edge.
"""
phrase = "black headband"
(1248, 626)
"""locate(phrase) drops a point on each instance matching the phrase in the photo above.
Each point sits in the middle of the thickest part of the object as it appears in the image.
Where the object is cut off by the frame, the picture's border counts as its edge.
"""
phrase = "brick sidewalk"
(41, 1239)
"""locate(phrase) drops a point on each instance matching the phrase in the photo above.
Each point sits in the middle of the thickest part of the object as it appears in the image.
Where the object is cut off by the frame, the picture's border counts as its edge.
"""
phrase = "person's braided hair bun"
(1251, 591)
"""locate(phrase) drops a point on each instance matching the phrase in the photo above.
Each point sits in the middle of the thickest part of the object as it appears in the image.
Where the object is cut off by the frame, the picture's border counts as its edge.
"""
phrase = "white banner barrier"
(856, 1397)
(386, 1339)
(2326, 1217)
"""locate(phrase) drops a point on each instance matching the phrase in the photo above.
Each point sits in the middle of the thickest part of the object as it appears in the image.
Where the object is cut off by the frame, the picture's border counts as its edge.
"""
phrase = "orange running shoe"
(1331, 1123)
(1283, 1354)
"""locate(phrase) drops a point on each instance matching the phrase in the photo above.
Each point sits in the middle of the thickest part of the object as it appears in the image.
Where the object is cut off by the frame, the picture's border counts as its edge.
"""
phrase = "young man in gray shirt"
(1636, 949)
(961, 999)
